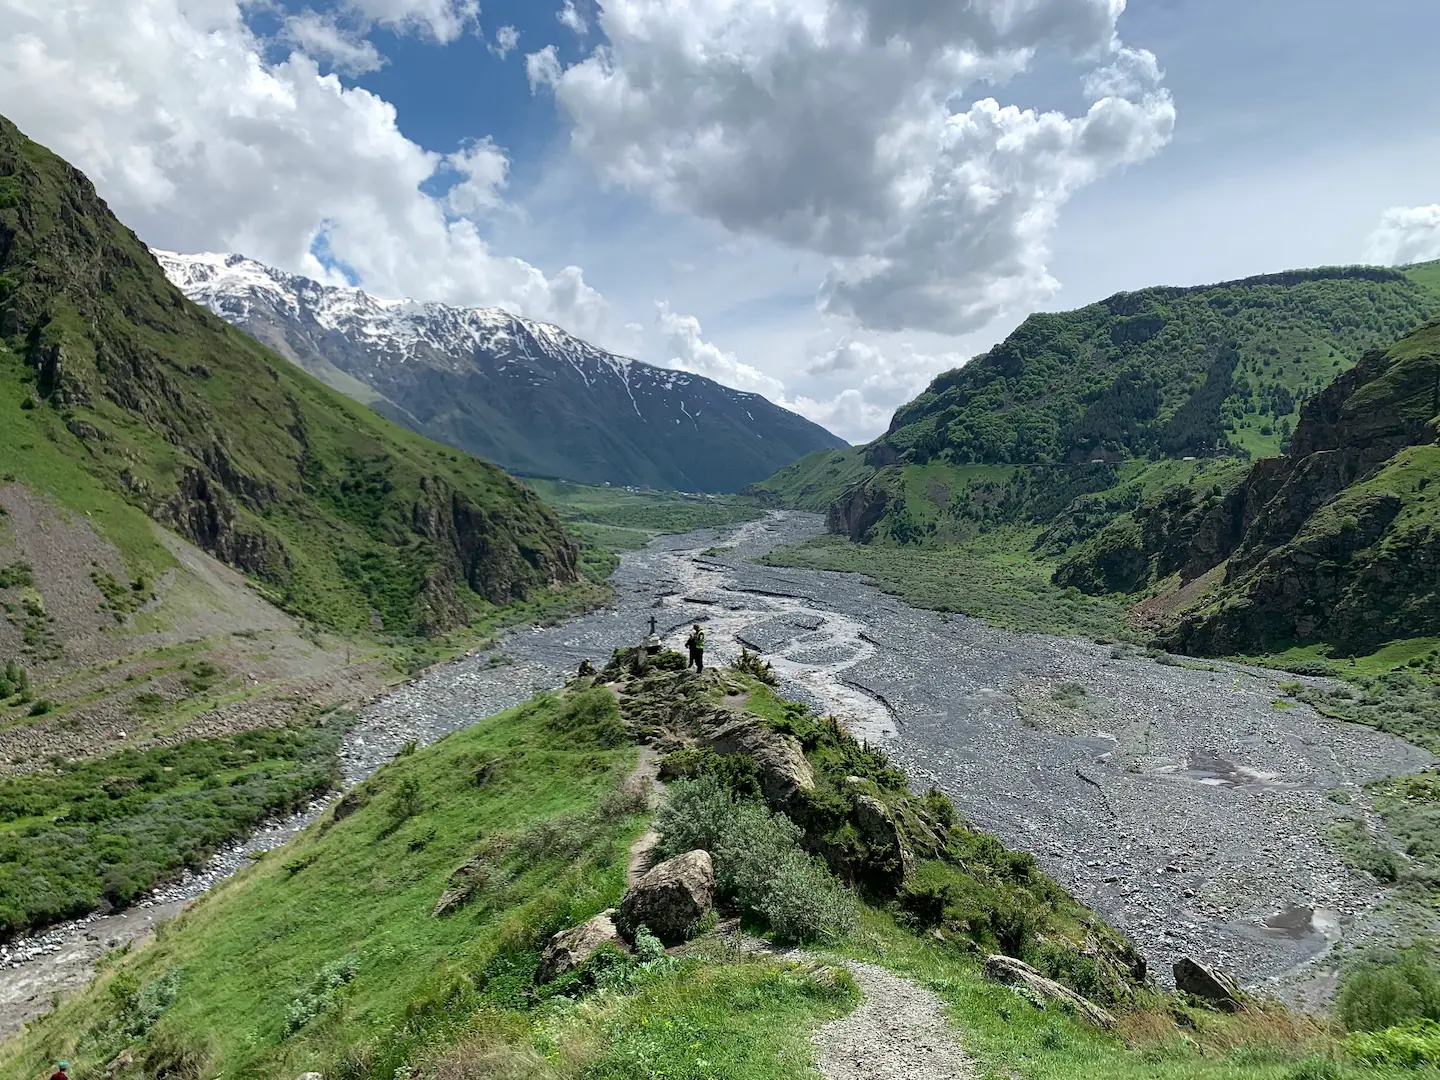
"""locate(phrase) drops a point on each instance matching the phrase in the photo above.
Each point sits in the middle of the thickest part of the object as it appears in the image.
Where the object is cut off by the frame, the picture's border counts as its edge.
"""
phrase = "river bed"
(1174, 798)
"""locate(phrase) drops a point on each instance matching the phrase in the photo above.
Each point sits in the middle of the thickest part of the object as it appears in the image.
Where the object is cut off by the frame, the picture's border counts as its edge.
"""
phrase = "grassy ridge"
(326, 955)
(347, 518)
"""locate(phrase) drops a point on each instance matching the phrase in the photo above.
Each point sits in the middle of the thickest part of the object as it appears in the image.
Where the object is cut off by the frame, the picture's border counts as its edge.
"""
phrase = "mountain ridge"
(528, 395)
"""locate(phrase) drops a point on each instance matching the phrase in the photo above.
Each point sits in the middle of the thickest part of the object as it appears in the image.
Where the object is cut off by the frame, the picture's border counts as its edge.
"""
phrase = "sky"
(824, 201)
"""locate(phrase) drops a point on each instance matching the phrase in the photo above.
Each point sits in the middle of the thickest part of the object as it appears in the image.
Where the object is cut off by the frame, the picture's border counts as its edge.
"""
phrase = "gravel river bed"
(1175, 798)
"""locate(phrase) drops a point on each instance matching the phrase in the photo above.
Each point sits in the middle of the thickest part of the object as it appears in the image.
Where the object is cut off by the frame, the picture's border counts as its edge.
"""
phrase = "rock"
(1197, 980)
(780, 759)
(311, 1076)
(121, 1062)
(670, 899)
(879, 830)
(1012, 972)
(571, 948)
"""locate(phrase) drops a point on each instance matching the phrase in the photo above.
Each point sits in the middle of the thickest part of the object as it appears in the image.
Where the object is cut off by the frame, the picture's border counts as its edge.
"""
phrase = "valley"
(1180, 800)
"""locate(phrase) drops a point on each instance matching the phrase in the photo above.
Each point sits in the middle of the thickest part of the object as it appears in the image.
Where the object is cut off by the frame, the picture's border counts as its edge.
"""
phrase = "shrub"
(737, 772)
(803, 901)
(321, 994)
(1315, 1068)
(1389, 989)
(41, 707)
(590, 717)
(694, 815)
(758, 861)
(751, 664)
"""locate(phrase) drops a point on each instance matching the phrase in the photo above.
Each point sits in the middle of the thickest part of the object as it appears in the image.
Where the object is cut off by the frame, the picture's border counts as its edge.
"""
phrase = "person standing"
(60, 1072)
(696, 644)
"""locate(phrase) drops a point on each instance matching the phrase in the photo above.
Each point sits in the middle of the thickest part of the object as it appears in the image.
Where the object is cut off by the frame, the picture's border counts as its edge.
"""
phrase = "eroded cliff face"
(349, 519)
(859, 510)
(1339, 540)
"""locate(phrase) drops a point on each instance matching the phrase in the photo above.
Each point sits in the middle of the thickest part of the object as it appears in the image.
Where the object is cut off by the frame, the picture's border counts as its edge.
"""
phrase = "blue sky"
(807, 198)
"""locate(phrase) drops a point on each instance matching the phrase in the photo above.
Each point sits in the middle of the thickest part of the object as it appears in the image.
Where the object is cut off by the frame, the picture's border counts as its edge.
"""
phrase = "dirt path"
(646, 771)
(898, 1032)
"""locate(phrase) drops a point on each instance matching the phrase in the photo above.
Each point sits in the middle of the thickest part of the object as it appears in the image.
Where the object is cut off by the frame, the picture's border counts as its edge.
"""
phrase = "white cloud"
(440, 20)
(827, 125)
(506, 38)
(572, 20)
(543, 68)
(199, 144)
(1406, 234)
(687, 350)
(321, 37)
(484, 170)
(847, 414)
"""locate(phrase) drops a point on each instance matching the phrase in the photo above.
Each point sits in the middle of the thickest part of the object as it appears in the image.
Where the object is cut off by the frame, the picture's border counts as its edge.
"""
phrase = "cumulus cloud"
(686, 349)
(572, 20)
(828, 126)
(1406, 234)
(439, 20)
(484, 170)
(872, 378)
(506, 38)
(200, 143)
(322, 37)
(543, 68)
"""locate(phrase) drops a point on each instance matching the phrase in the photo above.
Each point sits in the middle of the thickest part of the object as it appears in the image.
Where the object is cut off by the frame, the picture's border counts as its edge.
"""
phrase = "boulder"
(1210, 986)
(311, 1076)
(670, 899)
(1012, 972)
(879, 829)
(123, 1061)
(779, 758)
(571, 948)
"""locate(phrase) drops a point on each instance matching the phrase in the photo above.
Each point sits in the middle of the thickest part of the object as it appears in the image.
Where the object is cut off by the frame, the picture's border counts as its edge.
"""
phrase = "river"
(1174, 798)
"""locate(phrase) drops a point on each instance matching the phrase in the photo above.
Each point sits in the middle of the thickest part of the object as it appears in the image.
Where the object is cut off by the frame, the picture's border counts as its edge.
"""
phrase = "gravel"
(1179, 802)
(898, 1032)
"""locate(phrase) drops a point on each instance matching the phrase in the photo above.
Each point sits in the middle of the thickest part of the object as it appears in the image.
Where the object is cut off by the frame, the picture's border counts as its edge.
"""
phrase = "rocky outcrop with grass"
(797, 815)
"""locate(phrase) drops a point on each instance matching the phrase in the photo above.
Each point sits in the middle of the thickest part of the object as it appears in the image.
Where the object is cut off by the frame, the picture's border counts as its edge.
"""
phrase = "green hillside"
(332, 954)
(116, 391)
(1164, 371)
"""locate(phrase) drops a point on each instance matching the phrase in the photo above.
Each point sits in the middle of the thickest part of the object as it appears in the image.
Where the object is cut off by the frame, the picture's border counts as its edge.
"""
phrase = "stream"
(1174, 798)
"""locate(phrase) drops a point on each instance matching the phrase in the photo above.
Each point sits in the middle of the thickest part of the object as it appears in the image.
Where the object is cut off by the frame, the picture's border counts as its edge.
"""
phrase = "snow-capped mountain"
(524, 394)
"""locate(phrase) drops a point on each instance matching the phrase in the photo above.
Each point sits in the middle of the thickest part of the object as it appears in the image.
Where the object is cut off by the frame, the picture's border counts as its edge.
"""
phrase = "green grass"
(994, 577)
(815, 481)
(326, 956)
(633, 510)
(106, 830)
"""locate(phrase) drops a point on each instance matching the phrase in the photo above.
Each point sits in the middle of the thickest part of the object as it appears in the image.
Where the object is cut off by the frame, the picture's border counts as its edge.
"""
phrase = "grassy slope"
(343, 515)
(815, 481)
(1135, 372)
(611, 520)
(447, 997)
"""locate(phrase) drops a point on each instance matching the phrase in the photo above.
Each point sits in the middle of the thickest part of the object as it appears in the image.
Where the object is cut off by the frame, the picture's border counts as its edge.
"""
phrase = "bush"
(737, 772)
(1389, 989)
(803, 901)
(693, 816)
(41, 707)
(751, 664)
(322, 993)
(591, 717)
(1315, 1068)
(758, 861)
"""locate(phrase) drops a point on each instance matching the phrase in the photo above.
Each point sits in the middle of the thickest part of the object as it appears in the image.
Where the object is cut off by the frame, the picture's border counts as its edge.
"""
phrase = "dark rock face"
(1335, 541)
(530, 397)
(1197, 980)
(859, 511)
(671, 899)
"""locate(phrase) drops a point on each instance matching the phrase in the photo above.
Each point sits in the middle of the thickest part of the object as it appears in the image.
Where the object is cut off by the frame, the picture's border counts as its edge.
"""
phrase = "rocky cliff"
(1337, 540)
(344, 517)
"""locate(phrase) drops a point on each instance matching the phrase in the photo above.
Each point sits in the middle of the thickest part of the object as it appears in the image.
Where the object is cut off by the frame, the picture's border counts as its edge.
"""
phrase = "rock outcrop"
(1012, 972)
(779, 758)
(1210, 986)
(571, 948)
(671, 899)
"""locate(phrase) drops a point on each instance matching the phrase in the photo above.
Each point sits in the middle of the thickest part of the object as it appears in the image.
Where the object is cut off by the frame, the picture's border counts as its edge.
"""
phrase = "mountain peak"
(526, 394)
